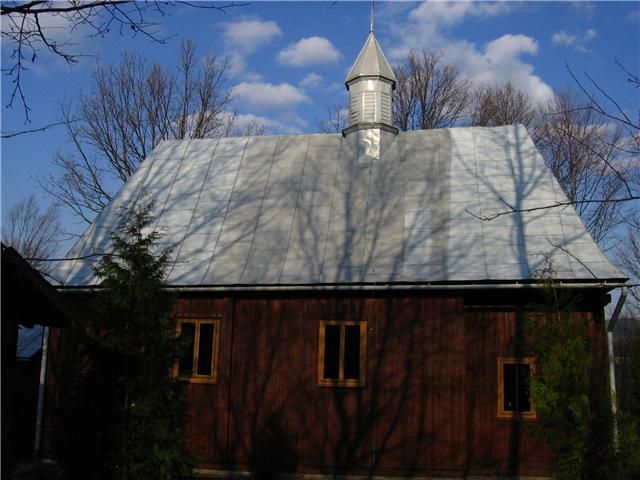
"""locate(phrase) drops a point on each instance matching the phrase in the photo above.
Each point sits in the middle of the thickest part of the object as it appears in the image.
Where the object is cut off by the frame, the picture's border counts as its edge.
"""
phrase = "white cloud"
(497, 61)
(309, 51)
(509, 46)
(577, 41)
(267, 95)
(311, 80)
(248, 35)
(449, 13)
(563, 38)
(244, 37)
(284, 124)
(253, 77)
(584, 9)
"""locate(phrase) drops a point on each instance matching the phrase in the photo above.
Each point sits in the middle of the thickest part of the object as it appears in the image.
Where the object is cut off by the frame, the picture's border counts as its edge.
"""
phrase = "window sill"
(342, 383)
(526, 416)
(201, 380)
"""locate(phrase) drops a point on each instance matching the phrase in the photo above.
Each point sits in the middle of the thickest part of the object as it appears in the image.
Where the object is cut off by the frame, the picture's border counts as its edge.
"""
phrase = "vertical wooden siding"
(410, 415)
(496, 446)
(429, 406)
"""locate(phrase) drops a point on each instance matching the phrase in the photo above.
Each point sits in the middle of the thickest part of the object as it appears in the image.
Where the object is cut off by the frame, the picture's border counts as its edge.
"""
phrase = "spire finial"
(372, 15)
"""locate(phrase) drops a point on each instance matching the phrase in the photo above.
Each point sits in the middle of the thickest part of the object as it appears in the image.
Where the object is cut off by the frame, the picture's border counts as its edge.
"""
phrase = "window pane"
(332, 352)
(524, 388)
(188, 334)
(352, 352)
(205, 349)
(509, 379)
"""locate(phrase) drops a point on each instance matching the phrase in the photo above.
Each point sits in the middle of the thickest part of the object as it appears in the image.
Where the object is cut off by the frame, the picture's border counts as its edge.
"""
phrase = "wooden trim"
(198, 316)
(215, 321)
(341, 381)
(502, 413)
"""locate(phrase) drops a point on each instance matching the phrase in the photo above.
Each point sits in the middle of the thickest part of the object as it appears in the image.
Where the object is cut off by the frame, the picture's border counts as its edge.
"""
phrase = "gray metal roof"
(371, 62)
(306, 210)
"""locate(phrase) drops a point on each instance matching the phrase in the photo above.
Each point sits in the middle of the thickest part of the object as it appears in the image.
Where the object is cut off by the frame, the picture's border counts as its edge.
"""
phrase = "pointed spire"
(371, 62)
(372, 16)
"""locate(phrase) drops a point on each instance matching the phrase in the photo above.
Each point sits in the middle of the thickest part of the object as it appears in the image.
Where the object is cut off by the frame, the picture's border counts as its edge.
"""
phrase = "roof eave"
(607, 284)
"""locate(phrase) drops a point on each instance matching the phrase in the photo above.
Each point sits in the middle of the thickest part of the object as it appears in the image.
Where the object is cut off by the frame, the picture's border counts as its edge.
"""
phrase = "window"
(199, 361)
(514, 388)
(342, 353)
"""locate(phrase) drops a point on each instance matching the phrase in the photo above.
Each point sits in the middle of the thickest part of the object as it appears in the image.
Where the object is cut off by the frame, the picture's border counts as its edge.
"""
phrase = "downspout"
(612, 367)
(41, 387)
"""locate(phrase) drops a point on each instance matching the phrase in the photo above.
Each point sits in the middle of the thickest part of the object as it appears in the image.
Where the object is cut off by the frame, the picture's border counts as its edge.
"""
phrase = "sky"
(288, 61)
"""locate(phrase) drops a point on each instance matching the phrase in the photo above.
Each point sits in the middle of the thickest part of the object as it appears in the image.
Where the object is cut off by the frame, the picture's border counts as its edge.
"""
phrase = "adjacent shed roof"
(304, 210)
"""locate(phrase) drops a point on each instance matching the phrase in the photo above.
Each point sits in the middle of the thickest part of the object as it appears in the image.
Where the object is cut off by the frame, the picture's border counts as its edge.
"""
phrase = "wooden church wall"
(428, 406)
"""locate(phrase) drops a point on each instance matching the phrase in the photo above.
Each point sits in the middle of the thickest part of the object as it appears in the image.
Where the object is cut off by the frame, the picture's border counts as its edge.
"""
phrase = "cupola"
(370, 83)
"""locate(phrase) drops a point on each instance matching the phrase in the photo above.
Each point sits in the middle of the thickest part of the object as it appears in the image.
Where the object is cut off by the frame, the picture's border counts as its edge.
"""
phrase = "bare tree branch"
(584, 153)
(25, 30)
(34, 234)
(132, 107)
(33, 130)
(338, 119)
(428, 93)
(511, 210)
(501, 105)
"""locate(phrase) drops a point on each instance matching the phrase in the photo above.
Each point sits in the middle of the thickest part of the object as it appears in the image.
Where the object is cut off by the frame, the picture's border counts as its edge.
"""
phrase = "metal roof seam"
(264, 191)
(174, 258)
(485, 262)
(226, 210)
(295, 210)
(186, 231)
(331, 213)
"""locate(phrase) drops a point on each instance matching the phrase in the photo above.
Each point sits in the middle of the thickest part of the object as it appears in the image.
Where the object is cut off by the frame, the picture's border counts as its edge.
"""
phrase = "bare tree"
(132, 107)
(32, 26)
(606, 105)
(582, 150)
(429, 94)
(33, 233)
(501, 105)
(338, 119)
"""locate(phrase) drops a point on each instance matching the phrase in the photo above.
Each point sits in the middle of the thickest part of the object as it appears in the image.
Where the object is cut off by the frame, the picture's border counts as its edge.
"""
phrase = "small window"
(514, 388)
(342, 353)
(199, 361)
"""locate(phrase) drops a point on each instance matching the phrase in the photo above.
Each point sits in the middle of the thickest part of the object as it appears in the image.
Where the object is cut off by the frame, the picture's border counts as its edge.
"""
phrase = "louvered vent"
(385, 108)
(354, 109)
(369, 111)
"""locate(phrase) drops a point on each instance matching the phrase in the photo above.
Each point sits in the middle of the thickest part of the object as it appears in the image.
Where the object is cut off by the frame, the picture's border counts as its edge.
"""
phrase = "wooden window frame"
(341, 381)
(213, 378)
(507, 414)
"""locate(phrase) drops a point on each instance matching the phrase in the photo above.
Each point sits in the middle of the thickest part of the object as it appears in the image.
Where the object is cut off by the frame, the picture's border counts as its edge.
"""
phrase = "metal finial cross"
(372, 15)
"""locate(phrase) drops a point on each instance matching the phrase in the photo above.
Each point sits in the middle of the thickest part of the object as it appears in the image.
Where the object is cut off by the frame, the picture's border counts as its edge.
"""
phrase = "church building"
(351, 311)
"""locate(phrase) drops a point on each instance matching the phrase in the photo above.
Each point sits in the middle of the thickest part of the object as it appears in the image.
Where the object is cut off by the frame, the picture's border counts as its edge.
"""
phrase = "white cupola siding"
(370, 83)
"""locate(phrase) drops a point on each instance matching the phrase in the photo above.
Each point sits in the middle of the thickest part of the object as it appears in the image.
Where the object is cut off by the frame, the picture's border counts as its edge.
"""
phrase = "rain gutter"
(610, 326)
(367, 287)
(41, 387)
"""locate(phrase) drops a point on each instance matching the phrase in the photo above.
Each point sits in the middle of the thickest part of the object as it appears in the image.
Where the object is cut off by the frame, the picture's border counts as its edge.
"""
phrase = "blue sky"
(288, 60)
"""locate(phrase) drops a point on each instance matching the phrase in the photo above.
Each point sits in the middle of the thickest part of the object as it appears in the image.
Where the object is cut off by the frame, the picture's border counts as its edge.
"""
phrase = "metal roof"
(306, 210)
(371, 62)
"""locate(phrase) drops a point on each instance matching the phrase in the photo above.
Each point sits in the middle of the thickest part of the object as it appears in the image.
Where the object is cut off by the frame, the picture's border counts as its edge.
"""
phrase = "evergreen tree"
(133, 347)
(570, 388)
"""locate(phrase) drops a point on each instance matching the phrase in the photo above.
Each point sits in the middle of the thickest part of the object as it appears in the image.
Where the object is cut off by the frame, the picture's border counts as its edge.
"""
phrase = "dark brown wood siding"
(428, 407)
